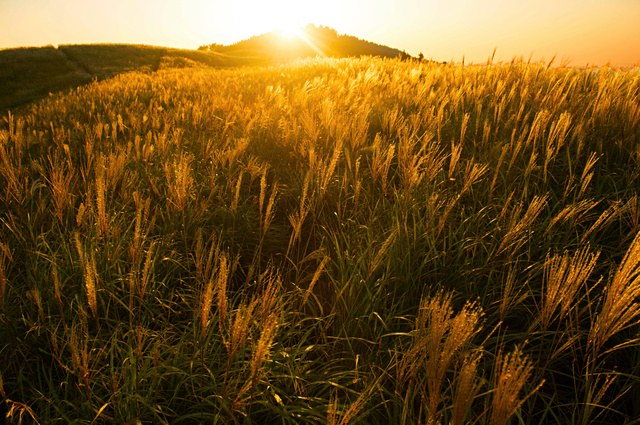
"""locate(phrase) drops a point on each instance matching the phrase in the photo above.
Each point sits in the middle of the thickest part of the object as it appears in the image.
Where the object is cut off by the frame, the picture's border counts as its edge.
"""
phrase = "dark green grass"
(28, 74)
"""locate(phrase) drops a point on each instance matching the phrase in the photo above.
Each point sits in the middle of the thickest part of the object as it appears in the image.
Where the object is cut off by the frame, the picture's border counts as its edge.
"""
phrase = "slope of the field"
(27, 74)
(328, 241)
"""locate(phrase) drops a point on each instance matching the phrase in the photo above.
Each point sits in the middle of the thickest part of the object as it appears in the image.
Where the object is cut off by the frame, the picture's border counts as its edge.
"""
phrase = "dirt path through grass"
(81, 67)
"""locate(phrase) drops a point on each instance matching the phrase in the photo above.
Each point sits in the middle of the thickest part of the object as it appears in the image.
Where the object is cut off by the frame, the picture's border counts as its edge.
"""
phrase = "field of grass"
(327, 241)
(28, 74)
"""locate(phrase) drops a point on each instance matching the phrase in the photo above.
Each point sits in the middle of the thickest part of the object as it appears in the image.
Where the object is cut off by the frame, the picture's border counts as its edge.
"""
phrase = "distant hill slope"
(311, 41)
(31, 73)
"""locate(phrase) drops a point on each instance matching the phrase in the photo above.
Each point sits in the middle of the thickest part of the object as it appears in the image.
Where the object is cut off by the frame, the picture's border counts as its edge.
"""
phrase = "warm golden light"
(587, 32)
(290, 31)
(284, 16)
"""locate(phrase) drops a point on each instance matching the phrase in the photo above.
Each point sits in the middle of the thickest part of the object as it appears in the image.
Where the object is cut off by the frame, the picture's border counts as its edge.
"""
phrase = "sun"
(232, 21)
(290, 30)
(285, 16)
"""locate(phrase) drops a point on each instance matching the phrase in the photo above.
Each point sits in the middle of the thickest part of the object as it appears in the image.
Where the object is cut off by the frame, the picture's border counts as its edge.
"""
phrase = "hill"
(310, 41)
(31, 73)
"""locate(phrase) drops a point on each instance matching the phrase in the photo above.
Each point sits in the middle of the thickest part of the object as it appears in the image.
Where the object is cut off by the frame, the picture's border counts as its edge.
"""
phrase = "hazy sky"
(585, 31)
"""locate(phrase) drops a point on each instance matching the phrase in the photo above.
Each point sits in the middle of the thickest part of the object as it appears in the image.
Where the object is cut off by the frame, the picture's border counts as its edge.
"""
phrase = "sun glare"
(286, 19)
(285, 16)
(290, 31)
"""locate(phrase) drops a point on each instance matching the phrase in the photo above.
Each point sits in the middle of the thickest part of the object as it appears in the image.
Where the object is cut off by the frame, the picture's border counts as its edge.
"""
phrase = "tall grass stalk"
(621, 306)
(5, 259)
(511, 374)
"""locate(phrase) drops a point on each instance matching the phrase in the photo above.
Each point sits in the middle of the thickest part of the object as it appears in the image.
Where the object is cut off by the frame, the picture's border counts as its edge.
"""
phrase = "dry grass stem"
(234, 204)
(180, 180)
(455, 156)
(467, 387)
(5, 259)
(262, 349)
(91, 283)
(101, 203)
(563, 277)
(270, 212)
(221, 289)
(439, 337)
(314, 279)
(621, 306)
(512, 372)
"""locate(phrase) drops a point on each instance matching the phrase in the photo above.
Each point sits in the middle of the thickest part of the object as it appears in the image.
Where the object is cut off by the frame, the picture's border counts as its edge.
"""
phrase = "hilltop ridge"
(31, 73)
(311, 40)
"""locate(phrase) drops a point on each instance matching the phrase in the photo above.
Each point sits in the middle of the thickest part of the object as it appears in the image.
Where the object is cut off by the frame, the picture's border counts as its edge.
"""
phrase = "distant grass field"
(28, 74)
(326, 241)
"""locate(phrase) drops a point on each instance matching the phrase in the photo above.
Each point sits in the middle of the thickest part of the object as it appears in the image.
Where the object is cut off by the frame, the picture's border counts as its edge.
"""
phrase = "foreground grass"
(330, 241)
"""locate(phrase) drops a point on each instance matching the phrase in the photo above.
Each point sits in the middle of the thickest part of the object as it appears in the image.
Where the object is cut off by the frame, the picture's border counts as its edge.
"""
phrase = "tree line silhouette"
(312, 41)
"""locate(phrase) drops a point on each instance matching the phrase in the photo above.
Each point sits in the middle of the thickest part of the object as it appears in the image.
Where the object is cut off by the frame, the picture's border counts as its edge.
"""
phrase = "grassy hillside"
(327, 241)
(27, 74)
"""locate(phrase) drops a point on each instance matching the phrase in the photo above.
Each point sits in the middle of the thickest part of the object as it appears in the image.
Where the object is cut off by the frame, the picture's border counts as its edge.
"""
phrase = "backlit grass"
(326, 241)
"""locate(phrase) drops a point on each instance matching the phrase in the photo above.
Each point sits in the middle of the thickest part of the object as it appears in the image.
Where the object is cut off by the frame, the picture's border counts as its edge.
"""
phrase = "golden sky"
(584, 31)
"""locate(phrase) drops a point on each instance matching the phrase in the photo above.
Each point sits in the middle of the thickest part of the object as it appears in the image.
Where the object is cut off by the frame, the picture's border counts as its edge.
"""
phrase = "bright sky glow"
(584, 31)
